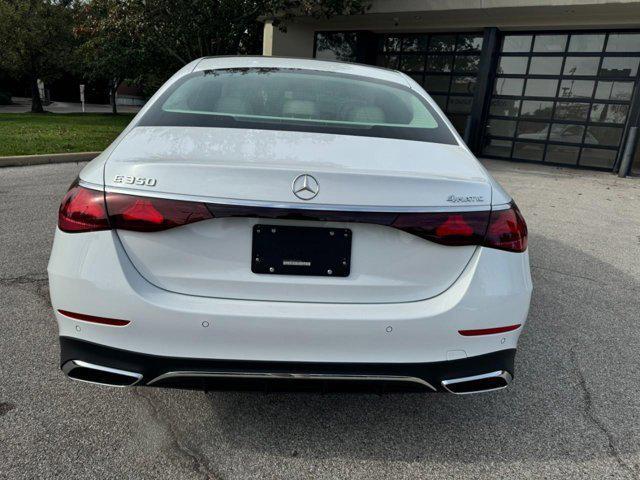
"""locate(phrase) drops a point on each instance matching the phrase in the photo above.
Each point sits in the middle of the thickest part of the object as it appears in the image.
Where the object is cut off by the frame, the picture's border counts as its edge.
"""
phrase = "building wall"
(297, 41)
(457, 15)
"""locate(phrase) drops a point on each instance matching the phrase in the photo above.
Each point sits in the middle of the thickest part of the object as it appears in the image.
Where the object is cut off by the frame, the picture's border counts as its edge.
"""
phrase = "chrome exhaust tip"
(90, 373)
(486, 382)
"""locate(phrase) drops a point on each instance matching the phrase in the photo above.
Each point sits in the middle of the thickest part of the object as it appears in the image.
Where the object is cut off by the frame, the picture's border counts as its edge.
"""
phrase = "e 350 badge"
(129, 180)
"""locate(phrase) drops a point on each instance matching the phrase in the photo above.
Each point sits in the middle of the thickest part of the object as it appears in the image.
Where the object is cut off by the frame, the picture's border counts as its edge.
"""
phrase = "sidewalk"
(25, 160)
(23, 105)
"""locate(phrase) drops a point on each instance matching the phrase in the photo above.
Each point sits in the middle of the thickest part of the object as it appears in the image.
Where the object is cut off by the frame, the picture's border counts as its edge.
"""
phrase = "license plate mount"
(294, 250)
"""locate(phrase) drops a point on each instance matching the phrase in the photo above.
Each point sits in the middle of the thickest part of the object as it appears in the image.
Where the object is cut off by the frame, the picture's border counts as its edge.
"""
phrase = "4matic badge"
(465, 198)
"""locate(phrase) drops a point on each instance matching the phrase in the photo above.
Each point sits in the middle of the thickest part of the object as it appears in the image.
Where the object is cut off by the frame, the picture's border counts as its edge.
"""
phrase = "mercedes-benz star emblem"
(305, 187)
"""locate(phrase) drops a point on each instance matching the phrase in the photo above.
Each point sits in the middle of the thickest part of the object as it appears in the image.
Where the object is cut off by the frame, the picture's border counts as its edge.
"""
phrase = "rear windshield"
(298, 100)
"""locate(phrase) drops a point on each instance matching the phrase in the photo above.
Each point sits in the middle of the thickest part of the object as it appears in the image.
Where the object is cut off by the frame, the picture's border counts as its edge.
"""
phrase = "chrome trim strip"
(294, 376)
(504, 206)
(293, 205)
(506, 376)
(71, 365)
(90, 185)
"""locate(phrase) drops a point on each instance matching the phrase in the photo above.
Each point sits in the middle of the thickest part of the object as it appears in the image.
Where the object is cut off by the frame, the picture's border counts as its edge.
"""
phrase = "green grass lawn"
(32, 133)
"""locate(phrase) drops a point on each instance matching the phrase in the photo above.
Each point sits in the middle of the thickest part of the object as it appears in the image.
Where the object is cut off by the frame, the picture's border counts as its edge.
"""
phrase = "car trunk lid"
(258, 167)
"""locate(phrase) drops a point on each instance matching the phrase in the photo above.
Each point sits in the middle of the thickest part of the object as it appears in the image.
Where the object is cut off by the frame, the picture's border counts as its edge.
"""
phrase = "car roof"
(212, 63)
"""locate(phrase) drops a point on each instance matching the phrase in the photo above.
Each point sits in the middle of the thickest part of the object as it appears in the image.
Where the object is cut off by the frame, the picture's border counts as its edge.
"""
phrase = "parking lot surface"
(572, 411)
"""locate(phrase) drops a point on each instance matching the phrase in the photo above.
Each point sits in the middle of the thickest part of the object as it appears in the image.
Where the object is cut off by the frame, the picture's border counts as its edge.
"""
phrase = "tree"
(111, 47)
(178, 32)
(195, 28)
(35, 41)
(145, 41)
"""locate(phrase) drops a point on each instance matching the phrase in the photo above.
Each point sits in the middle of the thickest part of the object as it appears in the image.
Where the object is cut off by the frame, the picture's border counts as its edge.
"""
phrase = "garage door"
(562, 98)
(446, 65)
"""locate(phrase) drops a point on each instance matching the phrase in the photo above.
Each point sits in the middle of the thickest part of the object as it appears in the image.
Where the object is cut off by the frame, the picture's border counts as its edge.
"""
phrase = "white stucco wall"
(296, 42)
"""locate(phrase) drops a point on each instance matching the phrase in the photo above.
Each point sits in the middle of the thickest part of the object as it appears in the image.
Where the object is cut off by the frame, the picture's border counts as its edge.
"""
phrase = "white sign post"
(82, 97)
(41, 91)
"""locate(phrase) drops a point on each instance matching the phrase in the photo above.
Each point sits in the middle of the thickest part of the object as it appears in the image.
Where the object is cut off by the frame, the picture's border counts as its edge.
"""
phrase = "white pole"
(82, 96)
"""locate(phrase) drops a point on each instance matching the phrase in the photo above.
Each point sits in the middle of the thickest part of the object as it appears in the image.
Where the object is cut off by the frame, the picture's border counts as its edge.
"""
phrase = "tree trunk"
(112, 96)
(114, 107)
(36, 102)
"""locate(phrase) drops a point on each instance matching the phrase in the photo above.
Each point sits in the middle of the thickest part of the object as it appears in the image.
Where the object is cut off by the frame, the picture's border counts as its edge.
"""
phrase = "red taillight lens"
(82, 210)
(85, 210)
(501, 229)
(507, 230)
(145, 214)
(460, 228)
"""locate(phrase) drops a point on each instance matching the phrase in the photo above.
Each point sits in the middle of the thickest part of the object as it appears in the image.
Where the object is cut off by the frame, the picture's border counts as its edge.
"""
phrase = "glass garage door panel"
(446, 65)
(562, 98)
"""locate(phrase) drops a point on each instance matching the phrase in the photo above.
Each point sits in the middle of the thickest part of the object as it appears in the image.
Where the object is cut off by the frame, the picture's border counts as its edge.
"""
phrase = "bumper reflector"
(488, 331)
(90, 318)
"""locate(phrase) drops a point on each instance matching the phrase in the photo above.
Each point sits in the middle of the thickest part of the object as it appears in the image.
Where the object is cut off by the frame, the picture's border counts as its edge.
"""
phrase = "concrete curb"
(24, 160)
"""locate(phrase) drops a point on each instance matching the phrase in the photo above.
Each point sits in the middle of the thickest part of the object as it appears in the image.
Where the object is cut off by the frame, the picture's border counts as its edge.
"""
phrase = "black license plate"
(287, 250)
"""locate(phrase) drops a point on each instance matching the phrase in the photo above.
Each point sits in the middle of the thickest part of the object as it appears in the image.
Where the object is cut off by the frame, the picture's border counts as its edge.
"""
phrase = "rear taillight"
(507, 230)
(86, 210)
(145, 214)
(501, 229)
(460, 228)
(82, 210)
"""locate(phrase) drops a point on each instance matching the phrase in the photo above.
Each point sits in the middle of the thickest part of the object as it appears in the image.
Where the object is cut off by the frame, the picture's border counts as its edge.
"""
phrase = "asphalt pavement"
(572, 412)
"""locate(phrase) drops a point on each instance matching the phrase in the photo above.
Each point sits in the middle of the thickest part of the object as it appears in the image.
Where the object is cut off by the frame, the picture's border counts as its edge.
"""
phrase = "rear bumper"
(90, 273)
(99, 364)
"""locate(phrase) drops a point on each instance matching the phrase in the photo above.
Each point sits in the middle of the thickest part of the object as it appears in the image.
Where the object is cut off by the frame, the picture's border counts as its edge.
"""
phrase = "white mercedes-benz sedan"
(289, 223)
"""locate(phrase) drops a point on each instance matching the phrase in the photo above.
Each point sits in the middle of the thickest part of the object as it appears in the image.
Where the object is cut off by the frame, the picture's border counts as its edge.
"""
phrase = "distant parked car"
(561, 133)
(289, 221)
